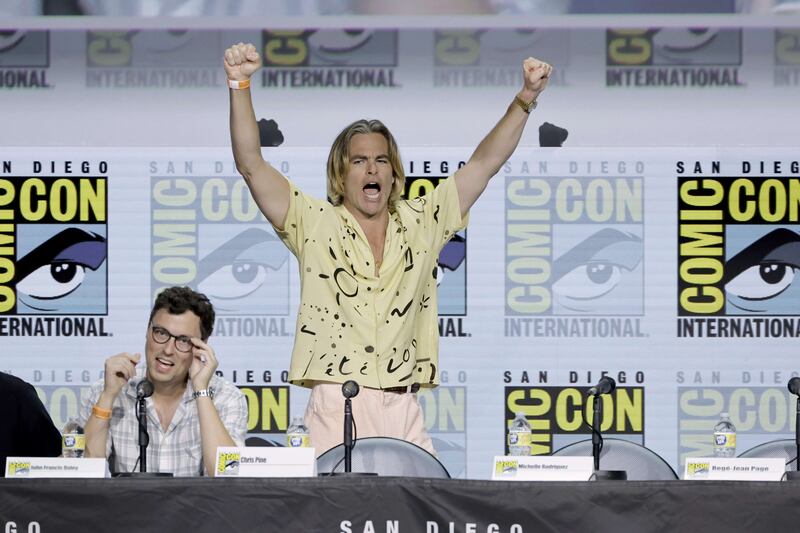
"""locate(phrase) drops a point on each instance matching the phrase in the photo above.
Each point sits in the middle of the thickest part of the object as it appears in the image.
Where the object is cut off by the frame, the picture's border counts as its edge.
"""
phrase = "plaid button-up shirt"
(179, 448)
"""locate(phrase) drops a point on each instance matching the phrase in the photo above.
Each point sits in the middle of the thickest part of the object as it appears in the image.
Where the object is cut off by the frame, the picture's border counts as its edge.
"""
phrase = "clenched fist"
(535, 75)
(241, 61)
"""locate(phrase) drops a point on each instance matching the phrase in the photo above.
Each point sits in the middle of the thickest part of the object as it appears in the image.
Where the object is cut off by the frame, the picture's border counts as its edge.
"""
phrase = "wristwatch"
(203, 392)
(526, 106)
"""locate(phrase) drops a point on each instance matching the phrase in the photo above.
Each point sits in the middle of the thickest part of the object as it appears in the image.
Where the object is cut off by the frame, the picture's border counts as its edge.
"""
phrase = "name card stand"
(48, 467)
(542, 468)
(265, 462)
(734, 469)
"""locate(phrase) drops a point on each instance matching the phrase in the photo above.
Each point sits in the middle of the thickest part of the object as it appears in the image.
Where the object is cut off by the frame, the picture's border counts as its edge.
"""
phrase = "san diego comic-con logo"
(760, 414)
(155, 58)
(228, 463)
(673, 57)
(451, 273)
(557, 414)
(444, 409)
(354, 58)
(63, 400)
(53, 251)
(787, 58)
(267, 413)
(24, 59)
(738, 255)
(574, 256)
(208, 233)
(493, 58)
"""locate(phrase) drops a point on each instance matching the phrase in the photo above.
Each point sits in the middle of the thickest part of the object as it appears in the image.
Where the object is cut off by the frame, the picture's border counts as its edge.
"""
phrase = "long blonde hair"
(339, 160)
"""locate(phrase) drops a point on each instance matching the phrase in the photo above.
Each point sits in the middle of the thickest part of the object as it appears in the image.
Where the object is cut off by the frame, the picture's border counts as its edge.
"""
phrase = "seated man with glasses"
(191, 412)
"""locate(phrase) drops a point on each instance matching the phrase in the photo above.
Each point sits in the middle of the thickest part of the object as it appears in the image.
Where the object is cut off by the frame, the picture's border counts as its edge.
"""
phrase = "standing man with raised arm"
(367, 258)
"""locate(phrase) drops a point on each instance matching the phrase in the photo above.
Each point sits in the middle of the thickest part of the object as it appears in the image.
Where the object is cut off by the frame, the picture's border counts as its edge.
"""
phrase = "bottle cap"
(724, 414)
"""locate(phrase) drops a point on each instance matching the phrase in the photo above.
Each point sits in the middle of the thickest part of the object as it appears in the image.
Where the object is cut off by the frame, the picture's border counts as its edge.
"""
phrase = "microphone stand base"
(142, 474)
(609, 475)
(793, 475)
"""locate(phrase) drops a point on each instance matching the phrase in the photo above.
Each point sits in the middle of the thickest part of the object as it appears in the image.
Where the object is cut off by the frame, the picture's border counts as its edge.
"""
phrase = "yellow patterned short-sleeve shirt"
(381, 331)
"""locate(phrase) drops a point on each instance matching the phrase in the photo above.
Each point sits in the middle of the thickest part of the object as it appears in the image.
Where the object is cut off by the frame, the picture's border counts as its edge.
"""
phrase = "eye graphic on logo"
(763, 281)
(161, 42)
(762, 274)
(58, 267)
(451, 256)
(10, 38)
(590, 280)
(339, 40)
(595, 269)
(53, 281)
(331, 46)
(676, 41)
(511, 41)
(240, 266)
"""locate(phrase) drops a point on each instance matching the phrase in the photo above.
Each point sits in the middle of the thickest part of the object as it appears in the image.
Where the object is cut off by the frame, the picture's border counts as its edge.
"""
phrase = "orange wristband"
(102, 414)
(234, 84)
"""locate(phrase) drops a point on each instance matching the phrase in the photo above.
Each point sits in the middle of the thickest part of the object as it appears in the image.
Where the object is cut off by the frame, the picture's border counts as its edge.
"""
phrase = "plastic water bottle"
(724, 437)
(73, 441)
(519, 436)
(297, 434)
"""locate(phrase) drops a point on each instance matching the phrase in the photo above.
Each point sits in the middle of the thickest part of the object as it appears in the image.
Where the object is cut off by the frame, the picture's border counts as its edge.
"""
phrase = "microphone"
(144, 389)
(350, 389)
(794, 388)
(604, 386)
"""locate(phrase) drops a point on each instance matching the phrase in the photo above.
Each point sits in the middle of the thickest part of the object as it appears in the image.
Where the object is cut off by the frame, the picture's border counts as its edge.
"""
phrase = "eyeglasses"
(162, 336)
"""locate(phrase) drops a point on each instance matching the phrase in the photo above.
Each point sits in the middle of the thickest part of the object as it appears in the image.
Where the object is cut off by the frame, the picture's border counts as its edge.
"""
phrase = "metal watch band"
(203, 392)
(526, 106)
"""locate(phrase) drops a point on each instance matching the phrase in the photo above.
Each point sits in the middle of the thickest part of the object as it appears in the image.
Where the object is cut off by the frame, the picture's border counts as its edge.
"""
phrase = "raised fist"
(535, 75)
(241, 61)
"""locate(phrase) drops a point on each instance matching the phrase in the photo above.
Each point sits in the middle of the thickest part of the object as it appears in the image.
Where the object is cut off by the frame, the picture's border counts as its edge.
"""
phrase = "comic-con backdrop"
(670, 269)
(653, 86)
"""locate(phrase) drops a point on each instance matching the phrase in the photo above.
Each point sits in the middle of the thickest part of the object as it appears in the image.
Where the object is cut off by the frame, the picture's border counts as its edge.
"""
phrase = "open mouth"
(372, 189)
(164, 364)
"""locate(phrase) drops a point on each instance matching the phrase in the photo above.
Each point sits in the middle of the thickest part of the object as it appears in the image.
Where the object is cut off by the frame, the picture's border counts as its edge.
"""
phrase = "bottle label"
(296, 440)
(724, 440)
(519, 438)
(73, 441)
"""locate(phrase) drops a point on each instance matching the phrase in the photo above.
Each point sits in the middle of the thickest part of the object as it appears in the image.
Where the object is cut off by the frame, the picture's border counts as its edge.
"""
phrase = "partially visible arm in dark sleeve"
(39, 436)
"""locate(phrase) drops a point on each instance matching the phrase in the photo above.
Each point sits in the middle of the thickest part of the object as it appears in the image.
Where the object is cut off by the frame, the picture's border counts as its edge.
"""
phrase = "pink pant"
(376, 414)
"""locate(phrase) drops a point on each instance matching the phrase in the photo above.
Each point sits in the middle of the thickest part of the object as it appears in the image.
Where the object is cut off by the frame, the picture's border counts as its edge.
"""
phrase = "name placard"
(542, 468)
(43, 467)
(734, 469)
(265, 462)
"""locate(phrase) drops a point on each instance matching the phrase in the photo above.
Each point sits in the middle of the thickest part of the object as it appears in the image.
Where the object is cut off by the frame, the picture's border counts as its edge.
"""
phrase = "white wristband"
(236, 84)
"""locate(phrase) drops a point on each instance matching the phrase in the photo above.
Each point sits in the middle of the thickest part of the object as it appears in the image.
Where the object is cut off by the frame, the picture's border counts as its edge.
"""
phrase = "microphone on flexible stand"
(606, 385)
(144, 389)
(349, 390)
(794, 388)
